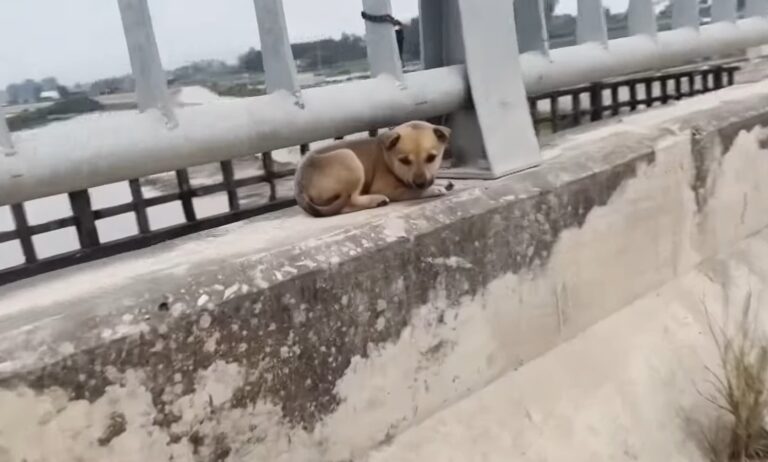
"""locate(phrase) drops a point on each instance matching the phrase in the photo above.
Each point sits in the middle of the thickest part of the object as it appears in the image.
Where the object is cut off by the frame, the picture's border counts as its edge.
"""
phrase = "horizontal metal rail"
(125, 145)
(592, 61)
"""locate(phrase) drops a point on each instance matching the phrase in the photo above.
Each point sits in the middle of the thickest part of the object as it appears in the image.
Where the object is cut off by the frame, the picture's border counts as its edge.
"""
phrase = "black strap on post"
(389, 19)
(382, 18)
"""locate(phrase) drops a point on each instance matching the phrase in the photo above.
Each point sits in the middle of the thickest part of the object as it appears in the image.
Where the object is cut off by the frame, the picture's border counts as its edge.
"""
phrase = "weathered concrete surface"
(631, 388)
(294, 339)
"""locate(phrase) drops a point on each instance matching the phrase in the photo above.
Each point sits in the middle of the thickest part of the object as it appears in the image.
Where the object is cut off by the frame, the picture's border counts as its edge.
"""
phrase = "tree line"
(319, 54)
(328, 52)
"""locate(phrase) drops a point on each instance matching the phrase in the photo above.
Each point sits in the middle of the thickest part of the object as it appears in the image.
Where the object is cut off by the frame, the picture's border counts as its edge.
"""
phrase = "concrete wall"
(294, 339)
(634, 387)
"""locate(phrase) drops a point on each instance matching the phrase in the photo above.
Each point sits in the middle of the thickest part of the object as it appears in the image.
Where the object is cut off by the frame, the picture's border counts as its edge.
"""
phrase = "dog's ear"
(442, 133)
(390, 139)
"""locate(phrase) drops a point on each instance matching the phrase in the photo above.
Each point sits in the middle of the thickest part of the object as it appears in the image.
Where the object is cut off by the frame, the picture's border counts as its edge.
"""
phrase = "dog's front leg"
(408, 194)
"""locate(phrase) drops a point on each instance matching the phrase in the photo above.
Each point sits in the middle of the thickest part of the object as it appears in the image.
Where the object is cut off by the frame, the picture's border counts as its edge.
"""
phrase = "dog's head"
(414, 151)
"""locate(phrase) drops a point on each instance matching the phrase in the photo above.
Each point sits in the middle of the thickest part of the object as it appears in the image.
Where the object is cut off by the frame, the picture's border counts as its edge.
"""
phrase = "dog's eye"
(431, 158)
(404, 160)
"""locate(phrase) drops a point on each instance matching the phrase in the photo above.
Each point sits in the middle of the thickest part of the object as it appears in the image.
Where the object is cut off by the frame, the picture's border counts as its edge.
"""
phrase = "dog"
(397, 165)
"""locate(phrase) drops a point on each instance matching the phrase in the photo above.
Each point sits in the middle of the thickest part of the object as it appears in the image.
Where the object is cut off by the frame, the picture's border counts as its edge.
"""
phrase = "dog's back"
(328, 176)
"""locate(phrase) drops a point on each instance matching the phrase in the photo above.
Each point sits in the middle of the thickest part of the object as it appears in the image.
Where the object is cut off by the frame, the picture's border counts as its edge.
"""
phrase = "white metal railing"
(469, 49)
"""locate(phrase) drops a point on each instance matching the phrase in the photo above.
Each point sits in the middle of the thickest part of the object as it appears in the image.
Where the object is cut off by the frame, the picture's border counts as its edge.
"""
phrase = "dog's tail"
(335, 207)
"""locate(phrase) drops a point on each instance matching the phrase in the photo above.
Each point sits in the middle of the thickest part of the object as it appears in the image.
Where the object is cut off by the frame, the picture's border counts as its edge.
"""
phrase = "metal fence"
(484, 74)
(592, 102)
(583, 104)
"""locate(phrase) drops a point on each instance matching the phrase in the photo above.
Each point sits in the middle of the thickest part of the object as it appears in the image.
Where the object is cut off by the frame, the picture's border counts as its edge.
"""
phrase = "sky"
(82, 40)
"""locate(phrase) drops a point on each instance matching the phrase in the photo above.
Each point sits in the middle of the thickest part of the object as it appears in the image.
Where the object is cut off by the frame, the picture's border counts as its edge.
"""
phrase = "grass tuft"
(740, 392)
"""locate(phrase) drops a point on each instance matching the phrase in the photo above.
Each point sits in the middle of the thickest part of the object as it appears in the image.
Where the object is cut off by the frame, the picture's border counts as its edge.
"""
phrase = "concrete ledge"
(294, 339)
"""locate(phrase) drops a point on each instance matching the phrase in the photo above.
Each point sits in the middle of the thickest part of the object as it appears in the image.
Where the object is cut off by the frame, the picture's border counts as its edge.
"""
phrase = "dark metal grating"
(640, 92)
(84, 219)
(625, 95)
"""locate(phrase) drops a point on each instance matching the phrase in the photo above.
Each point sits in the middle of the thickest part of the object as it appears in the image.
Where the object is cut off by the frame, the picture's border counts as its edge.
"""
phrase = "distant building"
(27, 92)
(49, 84)
(50, 95)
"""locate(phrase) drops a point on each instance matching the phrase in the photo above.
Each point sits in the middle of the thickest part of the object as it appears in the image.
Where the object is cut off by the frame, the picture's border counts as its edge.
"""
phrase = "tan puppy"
(398, 165)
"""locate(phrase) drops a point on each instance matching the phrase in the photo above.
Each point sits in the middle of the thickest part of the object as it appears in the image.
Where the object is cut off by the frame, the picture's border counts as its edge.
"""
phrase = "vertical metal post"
(615, 103)
(496, 80)
(228, 175)
(431, 18)
(590, 25)
(151, 83)
(279, 65)
(6, 142)
(685, 13)
(485, 38)
(723, 10)
(139, 206)
(717, 76)
(23, 233)
(443, 45)
(8, 151)
(633, 96)
(756, 8)
(186, 194)
(596, 102)
(692, 84)
(576, 109)
(441, 40)
(85, 221)
(664, 84)
(534, 108)
(531, 25)
(383, 54)
(268, 164)
(648, 92)
(641, 17)
(554, 113)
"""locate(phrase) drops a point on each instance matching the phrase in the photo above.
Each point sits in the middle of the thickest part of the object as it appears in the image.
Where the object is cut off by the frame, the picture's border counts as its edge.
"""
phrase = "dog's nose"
(422, 183)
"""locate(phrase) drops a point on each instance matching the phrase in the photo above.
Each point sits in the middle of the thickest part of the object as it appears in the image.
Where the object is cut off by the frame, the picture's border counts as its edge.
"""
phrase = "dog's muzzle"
(423, 184)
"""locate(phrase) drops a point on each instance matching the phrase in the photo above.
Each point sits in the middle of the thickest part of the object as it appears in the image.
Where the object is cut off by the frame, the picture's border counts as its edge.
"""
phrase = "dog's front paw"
(437, 191)
(441, 190)
(383, 202)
